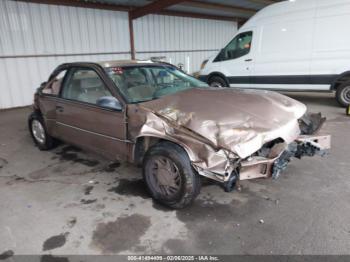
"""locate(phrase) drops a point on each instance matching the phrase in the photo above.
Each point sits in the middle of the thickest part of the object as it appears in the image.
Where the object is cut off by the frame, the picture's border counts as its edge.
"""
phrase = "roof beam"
(220, 7)
(198, 15)
(76, 3)
(153, 7)
(95, 5)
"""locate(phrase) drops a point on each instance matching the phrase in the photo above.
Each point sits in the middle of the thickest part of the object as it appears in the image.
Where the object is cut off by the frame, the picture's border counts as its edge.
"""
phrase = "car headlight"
(204, 63)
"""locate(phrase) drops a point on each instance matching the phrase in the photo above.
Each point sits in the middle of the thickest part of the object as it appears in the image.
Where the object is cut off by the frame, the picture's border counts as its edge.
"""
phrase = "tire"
(217, 81)
(37, 125)
(167, 163)
(343, 94)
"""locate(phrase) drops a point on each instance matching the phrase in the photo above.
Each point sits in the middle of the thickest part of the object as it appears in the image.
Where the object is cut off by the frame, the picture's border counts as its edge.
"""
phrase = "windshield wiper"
(144, 100)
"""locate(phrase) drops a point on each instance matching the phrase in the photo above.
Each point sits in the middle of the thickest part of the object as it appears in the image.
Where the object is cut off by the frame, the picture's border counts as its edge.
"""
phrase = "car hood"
(240, 121)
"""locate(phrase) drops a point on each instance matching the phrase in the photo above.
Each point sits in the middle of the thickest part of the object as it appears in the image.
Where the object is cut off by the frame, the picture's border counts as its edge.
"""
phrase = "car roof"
(112, 63)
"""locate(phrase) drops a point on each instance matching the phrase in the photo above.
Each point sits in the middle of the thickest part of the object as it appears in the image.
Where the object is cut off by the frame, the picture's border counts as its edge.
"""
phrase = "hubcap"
(38, 131)
(346, 94)
(216, 84)
(164, 176)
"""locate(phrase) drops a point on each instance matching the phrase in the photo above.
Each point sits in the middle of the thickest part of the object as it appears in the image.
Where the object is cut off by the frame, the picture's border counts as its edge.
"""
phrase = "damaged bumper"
(274, 157)
(277, 160)
(281, 154)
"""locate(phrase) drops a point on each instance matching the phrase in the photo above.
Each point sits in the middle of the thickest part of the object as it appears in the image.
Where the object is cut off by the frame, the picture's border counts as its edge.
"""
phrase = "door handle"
(59, 108)
(248, 60)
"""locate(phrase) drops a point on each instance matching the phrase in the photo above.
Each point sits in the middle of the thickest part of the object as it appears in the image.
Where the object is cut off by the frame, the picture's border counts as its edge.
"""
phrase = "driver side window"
(84, 85)
(239, 46)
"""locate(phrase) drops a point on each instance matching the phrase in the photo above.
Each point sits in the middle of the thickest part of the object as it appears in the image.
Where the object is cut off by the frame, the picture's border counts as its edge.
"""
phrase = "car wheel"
(217, 81)
(169, 176)
(343, 94)
(39, 133)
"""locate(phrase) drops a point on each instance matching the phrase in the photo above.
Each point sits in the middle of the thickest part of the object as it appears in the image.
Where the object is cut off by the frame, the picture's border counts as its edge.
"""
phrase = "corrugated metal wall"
(181, 39)
(35, 38)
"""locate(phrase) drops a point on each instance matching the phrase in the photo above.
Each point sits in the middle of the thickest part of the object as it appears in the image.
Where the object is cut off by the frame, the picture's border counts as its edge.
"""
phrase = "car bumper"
(259, 167)
(277, 160)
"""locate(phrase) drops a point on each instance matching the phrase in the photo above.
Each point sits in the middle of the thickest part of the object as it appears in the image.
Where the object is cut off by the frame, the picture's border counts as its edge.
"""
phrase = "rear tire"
(169, 176)
(343, 94)
(39, 132)
(217, 81)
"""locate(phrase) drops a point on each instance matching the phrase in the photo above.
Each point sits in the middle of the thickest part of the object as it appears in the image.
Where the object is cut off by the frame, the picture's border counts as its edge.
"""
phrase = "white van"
(295, 45)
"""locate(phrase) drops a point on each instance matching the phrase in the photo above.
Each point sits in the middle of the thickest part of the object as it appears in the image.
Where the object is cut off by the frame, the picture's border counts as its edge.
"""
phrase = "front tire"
(39, 132)
(169, 176)
(217, 81)
(343, 94)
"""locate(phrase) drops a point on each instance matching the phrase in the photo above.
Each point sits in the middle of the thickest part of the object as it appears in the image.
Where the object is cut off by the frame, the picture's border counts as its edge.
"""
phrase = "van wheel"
(39, 133)
(217, 81)
(343, 94)
(169, 176)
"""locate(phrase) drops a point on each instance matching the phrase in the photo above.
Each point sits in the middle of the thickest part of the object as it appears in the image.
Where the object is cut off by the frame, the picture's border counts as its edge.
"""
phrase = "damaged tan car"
(175, 126)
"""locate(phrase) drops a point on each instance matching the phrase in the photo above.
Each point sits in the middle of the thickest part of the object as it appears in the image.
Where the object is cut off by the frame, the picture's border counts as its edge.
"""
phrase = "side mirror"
(109, 102)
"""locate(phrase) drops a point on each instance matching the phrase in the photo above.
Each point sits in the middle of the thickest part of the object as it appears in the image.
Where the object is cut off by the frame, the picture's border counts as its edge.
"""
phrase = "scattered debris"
(71, 221)
(266, 198)
(88, 201)
(55, 241)
(6, 254)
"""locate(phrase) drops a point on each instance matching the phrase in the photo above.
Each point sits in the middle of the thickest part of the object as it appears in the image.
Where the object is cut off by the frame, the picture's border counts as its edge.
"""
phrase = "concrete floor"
(67, 201)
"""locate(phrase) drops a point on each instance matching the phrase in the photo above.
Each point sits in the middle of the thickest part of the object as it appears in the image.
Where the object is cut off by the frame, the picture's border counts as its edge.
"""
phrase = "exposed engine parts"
(297, 150)
(275, 156)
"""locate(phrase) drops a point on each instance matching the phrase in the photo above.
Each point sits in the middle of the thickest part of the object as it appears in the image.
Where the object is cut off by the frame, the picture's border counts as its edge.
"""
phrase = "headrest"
(90, 83)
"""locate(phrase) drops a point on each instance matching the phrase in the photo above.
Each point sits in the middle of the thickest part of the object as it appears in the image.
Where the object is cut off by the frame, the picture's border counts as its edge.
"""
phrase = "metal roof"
(241, 9)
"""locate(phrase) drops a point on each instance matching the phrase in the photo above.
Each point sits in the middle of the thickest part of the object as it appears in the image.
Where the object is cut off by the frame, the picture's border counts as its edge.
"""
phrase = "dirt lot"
(67, 201)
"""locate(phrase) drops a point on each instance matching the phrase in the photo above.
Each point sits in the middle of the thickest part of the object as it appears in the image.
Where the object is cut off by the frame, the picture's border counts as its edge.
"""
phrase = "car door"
(81, 121)
(236, 59)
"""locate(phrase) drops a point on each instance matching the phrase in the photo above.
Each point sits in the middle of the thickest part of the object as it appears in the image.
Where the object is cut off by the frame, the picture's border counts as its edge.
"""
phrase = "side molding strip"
(93, 133)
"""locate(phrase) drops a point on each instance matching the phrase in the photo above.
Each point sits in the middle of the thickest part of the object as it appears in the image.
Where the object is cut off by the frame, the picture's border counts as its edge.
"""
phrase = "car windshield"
(144, 83)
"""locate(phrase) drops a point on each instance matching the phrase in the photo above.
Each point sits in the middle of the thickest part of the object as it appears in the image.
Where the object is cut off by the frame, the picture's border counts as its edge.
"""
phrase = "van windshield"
(144, 83)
